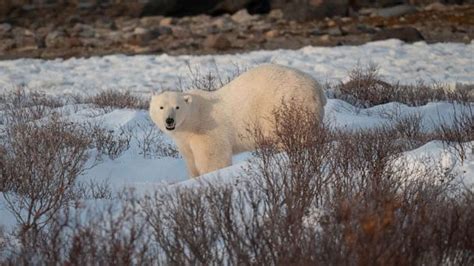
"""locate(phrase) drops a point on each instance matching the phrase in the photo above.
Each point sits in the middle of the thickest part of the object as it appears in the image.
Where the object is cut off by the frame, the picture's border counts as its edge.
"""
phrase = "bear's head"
(169, 109)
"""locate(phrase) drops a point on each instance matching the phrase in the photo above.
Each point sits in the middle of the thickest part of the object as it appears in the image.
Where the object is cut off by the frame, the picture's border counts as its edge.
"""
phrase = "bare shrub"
(410, 129)
(182, 228)
(93, 190)
(459, 132)
(40, 164)
(22, 106)
(117, 99)
(319, 197)
(112, 235)
(311, 196)
(108, 142)
(209, 81)
(151, 143)
(365, 88)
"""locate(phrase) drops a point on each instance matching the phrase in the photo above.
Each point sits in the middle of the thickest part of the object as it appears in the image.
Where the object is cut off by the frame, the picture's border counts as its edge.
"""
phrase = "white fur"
(211, 126)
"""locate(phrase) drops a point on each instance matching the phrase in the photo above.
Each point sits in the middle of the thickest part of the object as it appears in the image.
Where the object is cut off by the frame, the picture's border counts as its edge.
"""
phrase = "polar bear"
(209, 127)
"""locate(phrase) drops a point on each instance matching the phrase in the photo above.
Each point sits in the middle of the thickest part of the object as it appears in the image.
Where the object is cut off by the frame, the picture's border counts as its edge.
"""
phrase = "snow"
(444, 62)
(449, 63)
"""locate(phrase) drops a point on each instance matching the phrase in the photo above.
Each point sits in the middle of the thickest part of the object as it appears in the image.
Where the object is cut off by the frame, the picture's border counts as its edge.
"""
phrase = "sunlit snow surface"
(397, 61)
(446, 63)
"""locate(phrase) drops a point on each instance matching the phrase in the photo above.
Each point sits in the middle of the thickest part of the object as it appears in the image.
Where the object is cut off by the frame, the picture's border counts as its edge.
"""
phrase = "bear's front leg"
(188, 156)
(210, 155)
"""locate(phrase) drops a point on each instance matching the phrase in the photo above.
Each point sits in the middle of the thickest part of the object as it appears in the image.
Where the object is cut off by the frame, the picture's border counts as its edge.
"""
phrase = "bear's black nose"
(169, 121)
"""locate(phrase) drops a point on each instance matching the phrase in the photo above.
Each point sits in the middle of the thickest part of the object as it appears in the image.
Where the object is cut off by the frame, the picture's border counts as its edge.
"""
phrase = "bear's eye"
(177, 107)
(161, 107)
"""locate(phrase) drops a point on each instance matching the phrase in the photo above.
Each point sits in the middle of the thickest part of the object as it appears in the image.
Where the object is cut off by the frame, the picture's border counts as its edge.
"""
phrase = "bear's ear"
(188, 98)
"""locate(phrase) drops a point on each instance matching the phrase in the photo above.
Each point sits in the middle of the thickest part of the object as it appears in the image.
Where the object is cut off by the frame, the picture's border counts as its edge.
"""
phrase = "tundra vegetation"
(318, 195)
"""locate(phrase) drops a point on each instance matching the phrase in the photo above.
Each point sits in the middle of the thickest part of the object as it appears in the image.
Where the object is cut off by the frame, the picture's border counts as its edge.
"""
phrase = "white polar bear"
(209, 127)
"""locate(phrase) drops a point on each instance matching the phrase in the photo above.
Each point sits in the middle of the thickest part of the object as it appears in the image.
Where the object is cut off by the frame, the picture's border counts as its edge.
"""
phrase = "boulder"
(26, 42)
(142, 36)
(151, 21)
(436, 6)
(276, 14)
(217, 42)
(180, 32)
(7, 44)
(223, 23)
(167, 21)
(83, 30)
(335, 31)
(54, 39)
(271, 34)
(5, 27)
(243, 16)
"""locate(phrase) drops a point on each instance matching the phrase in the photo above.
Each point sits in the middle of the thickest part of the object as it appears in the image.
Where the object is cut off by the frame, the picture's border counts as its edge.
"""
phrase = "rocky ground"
(84, 35)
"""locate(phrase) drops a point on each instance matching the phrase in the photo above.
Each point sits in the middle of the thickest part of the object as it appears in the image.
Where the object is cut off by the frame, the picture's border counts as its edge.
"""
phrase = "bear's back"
(253, 97)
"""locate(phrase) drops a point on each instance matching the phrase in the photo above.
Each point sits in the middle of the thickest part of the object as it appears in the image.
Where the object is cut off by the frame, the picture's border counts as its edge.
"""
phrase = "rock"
(180, 32)
(105, 24)
(7, 44)
(93, 42)
(54, 39)
(217, 42)
(325, 38)
(83, 30)
(26, 43)
(396, 11)
(115, 36)
(272, 34)
(242, 16)
(406, 34)
(316, 31)
(366, 28)
(437, 6)
(142, 36)
(276, 14)
(331, 23)
(5, 27)
(140, 30)
(164, 30)
(261, 26)
(151, 21)
(74, 19)
(202, 19)
(223, 23)
(42, 32)
(334, 31)
(257, 37)
(346, 19)
(167, 21)
(349, 29)
(19, 31)
(126, 24)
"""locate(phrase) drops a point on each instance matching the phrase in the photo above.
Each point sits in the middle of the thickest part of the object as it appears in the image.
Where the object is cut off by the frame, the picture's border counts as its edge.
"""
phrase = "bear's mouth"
(170, 127)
